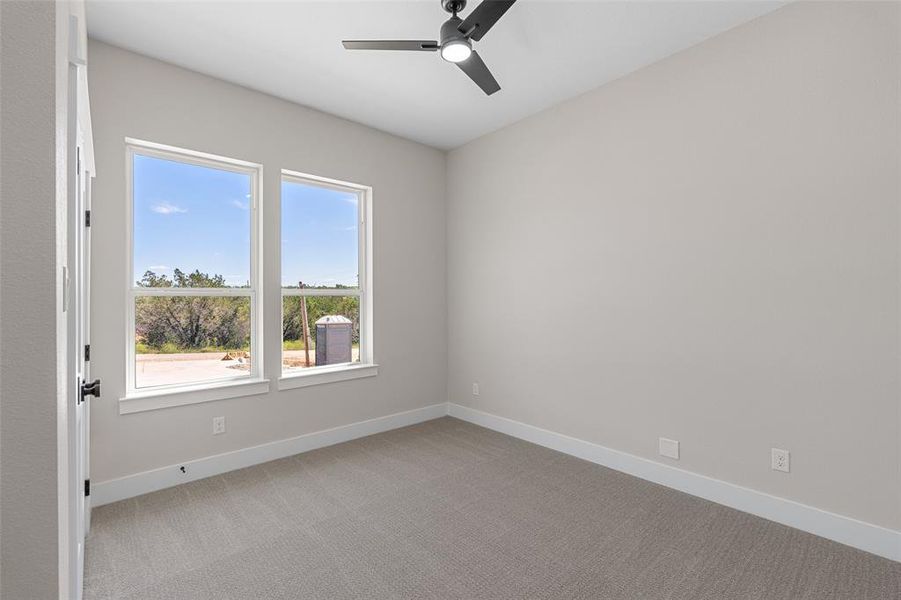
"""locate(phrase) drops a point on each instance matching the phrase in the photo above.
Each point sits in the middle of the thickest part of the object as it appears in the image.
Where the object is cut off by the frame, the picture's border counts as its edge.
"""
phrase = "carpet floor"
(446, 509)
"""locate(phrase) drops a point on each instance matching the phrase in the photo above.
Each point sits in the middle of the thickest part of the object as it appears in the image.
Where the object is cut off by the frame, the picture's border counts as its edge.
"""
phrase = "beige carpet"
(446, 509)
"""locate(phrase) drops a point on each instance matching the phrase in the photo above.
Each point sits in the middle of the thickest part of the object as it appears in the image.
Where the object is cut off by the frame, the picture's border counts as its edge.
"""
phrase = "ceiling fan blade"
(478, 72)
(484, 17)
(413, 45)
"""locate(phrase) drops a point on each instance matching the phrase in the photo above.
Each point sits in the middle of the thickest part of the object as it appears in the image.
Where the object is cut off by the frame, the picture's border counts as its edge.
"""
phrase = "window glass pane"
(319, 237)
(332, 336)
(191, 218)
(190, 339)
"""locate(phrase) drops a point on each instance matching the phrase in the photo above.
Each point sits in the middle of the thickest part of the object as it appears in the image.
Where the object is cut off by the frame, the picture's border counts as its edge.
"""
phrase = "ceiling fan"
(456, 36)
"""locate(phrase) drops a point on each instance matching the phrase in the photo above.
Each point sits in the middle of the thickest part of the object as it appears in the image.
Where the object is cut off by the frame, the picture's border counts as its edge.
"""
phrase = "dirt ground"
(167, 369)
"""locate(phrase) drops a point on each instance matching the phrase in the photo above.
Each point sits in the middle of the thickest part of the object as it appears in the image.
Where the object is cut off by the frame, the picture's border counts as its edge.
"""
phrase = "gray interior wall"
(32, 329)
(134, 96)
(705, 250)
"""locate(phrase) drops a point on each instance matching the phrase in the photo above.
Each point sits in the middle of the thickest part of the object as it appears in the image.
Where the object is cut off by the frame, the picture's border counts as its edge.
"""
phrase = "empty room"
(450, 299)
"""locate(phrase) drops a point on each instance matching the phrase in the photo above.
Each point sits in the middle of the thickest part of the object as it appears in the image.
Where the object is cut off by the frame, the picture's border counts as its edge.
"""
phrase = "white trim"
(845, 530)
(320, 375)
(367, 316)
(203, 159)
(243, 292)
(157, 479)
(338, 292)
(335, 184)
(158, 398)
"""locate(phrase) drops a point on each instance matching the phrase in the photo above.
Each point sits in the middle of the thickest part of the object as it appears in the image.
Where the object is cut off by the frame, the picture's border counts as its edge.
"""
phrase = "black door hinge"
(87, 352)
(87, 218)
(87, 487)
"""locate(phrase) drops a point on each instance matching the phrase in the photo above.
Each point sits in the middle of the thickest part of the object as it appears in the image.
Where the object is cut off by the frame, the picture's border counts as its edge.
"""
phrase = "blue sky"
(191, 217)
(319, 236)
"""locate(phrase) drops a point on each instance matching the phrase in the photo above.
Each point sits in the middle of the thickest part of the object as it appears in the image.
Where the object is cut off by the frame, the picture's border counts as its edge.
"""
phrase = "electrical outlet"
(668, 448)
(475, 389)
(780, 460)
(218, 425)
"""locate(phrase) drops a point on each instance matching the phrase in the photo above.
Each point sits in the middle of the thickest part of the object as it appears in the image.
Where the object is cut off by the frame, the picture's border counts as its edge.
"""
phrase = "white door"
(85, 314)
(87, 388)
(81, 377)
(78, 302)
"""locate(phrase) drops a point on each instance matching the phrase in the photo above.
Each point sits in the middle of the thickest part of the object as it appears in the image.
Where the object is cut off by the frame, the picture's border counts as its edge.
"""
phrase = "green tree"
(191, 322)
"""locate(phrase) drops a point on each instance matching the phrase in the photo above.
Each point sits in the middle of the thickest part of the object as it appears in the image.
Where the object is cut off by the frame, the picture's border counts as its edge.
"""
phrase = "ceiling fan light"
(455, 51)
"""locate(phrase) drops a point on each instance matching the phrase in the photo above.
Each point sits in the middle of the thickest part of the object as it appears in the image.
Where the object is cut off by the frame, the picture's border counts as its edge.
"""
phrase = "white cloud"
(239, 204)
(165, 208)
(158, 268)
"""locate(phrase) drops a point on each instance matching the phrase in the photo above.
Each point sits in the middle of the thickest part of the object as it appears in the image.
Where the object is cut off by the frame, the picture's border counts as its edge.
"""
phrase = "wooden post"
(306, 327)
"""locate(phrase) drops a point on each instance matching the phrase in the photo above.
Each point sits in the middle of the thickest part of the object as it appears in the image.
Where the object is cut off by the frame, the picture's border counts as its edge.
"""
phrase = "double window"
(194, 294)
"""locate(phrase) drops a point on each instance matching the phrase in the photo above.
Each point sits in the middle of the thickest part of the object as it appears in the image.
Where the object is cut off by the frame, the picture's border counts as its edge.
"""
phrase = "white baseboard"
(858, 534)
(150, 481)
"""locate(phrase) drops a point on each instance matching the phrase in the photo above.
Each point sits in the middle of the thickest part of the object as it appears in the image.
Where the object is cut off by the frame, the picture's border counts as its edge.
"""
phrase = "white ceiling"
(541, 52)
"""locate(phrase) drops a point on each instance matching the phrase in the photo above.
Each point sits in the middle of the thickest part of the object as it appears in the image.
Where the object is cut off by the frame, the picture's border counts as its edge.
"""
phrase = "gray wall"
(32, 251)
(134, 96)
(705, 250)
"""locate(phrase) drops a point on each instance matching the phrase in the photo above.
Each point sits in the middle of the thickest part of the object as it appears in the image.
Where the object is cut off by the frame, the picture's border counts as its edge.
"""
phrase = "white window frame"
(367, 366)
(149, 398)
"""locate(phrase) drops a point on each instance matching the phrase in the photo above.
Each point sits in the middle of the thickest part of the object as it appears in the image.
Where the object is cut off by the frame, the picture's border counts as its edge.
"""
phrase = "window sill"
(327, 375)
(157, 399)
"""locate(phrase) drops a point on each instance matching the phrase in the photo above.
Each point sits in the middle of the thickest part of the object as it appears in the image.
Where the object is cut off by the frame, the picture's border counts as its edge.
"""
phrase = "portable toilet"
(334, 335)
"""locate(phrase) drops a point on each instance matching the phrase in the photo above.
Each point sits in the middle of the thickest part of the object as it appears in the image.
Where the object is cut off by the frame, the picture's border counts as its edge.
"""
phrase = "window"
(326, 290)
(194, 292)
(194, 304)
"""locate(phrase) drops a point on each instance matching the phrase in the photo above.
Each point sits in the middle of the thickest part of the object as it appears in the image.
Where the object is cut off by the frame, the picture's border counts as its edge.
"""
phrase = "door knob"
(90, 389)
